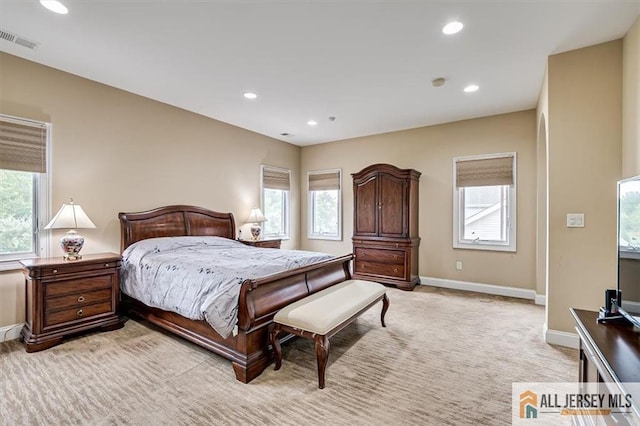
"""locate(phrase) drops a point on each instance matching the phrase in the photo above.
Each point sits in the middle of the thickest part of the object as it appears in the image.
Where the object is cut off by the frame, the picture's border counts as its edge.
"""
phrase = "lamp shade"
(70, 216)
(256, 216)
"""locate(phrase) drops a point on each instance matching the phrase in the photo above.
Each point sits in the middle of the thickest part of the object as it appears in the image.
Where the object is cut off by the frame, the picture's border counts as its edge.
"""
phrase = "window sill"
(10, 266)
(325, 238)
(487, 247)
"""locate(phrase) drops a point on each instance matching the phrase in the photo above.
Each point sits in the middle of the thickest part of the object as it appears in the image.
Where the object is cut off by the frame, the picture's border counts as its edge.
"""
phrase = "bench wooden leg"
(322, 354)
(275, 344)
(385, 306)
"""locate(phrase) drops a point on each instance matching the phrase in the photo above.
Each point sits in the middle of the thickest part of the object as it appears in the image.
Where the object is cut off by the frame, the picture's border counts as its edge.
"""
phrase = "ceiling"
(367, 63)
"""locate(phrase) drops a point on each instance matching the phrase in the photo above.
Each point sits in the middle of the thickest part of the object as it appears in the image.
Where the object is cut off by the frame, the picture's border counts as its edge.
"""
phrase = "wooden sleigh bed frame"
(259, 300)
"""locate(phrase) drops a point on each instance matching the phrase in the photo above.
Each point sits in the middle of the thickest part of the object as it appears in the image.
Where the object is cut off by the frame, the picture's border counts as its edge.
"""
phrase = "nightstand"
(65, 297)
(271, 243)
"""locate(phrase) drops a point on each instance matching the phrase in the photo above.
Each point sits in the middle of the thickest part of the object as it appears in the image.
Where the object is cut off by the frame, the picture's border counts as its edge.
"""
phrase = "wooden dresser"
(609, 358)
(385, 225)
(65, 297)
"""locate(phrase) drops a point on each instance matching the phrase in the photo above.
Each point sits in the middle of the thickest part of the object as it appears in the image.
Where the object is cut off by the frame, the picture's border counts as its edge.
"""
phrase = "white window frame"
(458, 211)
(311, 209)
(42, 208)
(287, 205)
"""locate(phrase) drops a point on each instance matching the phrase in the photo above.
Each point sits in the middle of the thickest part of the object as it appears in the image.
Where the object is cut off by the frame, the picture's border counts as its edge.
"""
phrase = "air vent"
(14, 38)
(7, 36)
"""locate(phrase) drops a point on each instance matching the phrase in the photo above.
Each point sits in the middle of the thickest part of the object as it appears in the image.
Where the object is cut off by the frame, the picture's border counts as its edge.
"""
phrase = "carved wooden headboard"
(174, 221)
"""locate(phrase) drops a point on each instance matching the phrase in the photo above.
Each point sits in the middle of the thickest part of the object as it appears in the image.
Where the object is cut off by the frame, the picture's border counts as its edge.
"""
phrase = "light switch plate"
(575, 220)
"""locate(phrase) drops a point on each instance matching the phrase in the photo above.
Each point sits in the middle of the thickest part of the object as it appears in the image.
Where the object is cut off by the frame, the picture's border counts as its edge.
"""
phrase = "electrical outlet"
(459, 265)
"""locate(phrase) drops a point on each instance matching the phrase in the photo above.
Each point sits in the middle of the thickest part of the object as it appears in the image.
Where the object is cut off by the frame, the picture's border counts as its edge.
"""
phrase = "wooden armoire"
(385, 225)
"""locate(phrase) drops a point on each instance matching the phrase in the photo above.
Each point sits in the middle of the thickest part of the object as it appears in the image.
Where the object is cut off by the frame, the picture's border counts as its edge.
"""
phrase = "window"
(24, 190)
(484, 202)
(276, 185)
(325, 219)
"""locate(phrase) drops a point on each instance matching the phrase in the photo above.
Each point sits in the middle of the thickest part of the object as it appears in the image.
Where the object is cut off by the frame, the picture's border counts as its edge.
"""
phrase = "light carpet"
(445, 358)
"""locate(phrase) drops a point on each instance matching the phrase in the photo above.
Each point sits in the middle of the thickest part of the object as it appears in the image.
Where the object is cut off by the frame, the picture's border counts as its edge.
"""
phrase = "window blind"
(275, 178)
(23, 145)
(324, 181)
(484, 171)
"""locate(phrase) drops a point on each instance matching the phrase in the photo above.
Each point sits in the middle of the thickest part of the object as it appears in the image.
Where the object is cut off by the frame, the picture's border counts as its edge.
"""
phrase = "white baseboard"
(541, 299)
(520, 293)
(561, 338)
(10, 332)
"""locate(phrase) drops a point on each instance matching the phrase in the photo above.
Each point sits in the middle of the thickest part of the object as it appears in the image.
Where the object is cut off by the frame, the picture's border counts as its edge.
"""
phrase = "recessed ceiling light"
(250, 95)
(452, 27)
(471, 88)
(55, 6)
(312, 122)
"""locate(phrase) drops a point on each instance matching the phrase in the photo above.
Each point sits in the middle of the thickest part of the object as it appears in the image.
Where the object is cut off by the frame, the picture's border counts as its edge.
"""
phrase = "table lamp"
(256, 217)
(71, 216)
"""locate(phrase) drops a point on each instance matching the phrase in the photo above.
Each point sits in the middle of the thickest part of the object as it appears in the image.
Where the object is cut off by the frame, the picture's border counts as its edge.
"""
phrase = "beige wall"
(584, 154)
(631, 102)
(114, 151)
(431, 150)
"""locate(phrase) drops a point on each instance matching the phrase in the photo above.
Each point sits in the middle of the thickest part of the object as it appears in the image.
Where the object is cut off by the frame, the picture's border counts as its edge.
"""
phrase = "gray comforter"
(200, 277)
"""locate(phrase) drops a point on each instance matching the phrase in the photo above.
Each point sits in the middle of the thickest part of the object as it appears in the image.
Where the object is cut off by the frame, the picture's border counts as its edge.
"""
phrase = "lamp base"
(71, 244)
(255, 231)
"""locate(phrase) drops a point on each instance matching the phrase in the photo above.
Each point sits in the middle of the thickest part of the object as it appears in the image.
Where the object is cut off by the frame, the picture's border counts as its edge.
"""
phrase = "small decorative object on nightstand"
(271, 243)
(65, 298)
(71, 216)
(256, 217)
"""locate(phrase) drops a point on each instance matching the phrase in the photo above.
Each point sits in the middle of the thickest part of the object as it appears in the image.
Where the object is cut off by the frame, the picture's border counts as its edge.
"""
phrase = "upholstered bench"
(321, 315)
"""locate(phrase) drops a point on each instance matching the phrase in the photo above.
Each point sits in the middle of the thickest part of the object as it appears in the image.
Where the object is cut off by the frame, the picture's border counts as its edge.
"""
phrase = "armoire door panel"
(366, 204)
(393, 198)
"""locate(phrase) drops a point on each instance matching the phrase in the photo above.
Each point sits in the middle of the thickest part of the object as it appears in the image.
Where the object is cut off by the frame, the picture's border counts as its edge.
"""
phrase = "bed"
(259, 298)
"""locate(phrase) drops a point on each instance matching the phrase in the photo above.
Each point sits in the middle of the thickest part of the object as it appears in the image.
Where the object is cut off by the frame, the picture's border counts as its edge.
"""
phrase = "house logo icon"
(528, 405)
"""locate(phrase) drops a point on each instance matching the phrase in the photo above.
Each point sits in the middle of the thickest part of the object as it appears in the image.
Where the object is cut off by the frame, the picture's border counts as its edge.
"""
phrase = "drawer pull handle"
(81, 299)
(79, 313)
(395, 270)
(106, 265)
(55, 271)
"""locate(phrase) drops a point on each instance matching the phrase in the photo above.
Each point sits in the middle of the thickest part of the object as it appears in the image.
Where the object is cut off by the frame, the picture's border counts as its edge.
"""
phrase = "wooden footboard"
(261, 299)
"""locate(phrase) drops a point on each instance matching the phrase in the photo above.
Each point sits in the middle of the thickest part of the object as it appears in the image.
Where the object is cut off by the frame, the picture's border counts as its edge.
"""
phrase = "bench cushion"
(322, 311)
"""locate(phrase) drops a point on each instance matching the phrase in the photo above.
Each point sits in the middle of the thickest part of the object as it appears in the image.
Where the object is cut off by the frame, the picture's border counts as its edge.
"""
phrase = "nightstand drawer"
(67, 315)
(80, 285)
(77, 300)
(271, 243)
